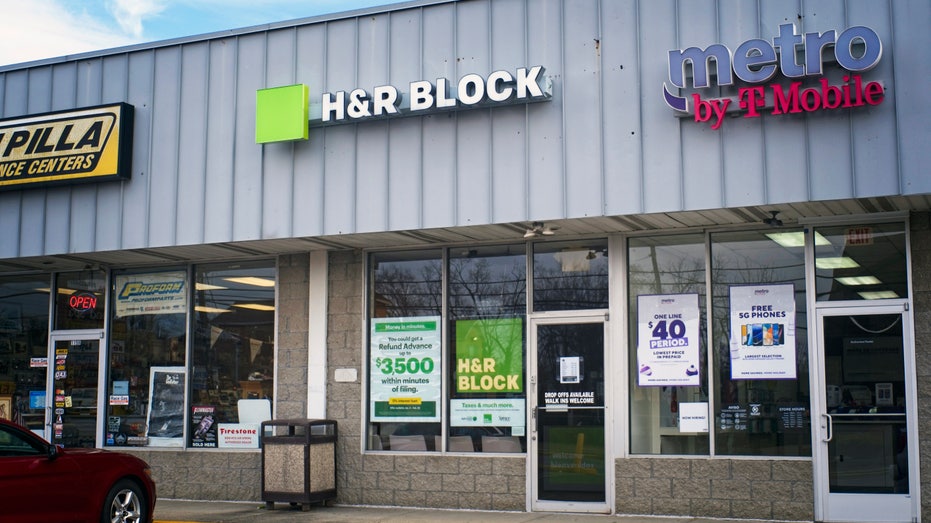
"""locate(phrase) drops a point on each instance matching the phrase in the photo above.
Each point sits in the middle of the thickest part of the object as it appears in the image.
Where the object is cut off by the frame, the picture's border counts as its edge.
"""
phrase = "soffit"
(742, 216)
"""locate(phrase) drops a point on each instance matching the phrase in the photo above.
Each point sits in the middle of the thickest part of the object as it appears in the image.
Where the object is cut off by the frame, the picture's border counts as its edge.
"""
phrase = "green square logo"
(281, 113)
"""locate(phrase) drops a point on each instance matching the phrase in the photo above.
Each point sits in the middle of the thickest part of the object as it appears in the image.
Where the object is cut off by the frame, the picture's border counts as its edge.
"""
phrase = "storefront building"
(662, 258)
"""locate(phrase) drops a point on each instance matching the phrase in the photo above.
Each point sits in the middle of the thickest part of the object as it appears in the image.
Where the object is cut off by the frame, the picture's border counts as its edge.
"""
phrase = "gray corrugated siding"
(605, 145)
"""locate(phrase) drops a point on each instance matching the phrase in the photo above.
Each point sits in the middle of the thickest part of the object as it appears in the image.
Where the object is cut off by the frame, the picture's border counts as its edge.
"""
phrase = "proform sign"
(756, 62)
(89, 144)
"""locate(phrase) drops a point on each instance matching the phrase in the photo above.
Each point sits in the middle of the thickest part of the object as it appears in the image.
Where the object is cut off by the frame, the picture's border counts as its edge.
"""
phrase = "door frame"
(98, 335)
(534, 504)
(874, 507)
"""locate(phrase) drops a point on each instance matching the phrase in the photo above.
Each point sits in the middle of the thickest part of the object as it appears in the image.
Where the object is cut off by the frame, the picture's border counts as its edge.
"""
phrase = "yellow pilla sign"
(90, 144)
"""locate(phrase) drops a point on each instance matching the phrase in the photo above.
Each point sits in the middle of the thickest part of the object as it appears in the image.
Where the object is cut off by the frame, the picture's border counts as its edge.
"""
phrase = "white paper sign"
(569, 369)
(668, 340)
(238, 435)
(693, 417)
(762, 344)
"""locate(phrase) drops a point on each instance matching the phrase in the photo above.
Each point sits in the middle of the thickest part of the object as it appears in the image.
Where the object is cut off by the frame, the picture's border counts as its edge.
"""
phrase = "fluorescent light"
(207, 287)
(878, 295)
(252, 280)
(858, 280)
(795, 239)
(254, 306)
(837, 262)
(210, 310)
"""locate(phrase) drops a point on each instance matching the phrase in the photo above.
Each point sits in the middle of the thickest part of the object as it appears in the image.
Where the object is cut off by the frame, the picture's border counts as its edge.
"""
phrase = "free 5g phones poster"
(762, 341)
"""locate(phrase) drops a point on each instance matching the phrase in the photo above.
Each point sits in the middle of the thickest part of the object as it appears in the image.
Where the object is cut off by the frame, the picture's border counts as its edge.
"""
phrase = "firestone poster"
(406, 370)
(762, 342)
(668, 340)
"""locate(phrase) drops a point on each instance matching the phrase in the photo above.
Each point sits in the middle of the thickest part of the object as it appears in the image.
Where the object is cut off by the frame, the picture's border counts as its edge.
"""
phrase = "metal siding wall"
(308, 197)
(701, 165)
(828, 135)
(873, 135)
(473, 144)
(621, 92)
(509, 124)
(11, 203)
(740, 153)
(911, 52)
(247, 167)
(278, 165)
(113, 81)
(662, 140)
(218, 215)
(339, 174)
(605, 144)
(373, 141)
(402, 198)
(784, 143)
(134, 201)
(438, 58)
(546, 183)
(166, 127)
(64, 86)
(82, 222)
(192, 144)
(582, 86)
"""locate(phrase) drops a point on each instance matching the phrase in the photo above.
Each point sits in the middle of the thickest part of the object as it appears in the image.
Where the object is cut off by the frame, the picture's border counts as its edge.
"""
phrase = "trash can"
(298, 461)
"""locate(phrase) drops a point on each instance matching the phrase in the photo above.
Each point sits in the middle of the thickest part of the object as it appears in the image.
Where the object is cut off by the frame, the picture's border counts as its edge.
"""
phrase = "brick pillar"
(292, 336)
(920, 223)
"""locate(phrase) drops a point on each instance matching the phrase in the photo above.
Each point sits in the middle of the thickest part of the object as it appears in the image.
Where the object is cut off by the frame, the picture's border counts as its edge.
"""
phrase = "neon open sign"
(757, 61)
(82, 302)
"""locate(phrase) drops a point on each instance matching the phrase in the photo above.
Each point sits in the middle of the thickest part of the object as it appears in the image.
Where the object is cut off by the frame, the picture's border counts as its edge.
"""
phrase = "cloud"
(130, 13)
(37, 29)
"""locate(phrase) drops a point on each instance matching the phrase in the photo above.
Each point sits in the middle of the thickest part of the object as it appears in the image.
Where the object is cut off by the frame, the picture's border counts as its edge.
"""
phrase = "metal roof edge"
(225, 33)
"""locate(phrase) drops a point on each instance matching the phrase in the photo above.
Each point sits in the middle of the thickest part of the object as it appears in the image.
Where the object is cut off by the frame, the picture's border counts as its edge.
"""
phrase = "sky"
(38, 29)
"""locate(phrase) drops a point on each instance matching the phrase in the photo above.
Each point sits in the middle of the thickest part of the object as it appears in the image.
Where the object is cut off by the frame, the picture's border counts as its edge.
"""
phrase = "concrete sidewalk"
(179, 511)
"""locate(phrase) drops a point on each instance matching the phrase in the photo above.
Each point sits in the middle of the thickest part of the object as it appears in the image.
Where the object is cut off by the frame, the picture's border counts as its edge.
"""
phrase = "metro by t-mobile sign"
(757, 61)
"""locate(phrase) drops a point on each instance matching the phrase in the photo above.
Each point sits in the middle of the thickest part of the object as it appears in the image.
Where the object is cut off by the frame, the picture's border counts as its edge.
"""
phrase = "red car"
(41, 482)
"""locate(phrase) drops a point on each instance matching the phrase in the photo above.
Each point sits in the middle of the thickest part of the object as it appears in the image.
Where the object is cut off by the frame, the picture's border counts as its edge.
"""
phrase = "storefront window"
(146, 381)
(24, 325)
(232, 351)
(482, 350)
(405, 355)
(487, 311)
(570, 275)
(79, 300)
(760, 337)
(668, 378)
(862, 262)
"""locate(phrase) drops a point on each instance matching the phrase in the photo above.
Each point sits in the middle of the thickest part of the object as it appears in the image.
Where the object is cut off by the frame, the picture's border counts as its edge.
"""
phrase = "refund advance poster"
(668, 340)
(763, 332)
(406, 370)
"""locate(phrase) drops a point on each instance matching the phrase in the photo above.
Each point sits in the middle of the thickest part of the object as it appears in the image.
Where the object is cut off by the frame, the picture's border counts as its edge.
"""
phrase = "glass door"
(865, 458)
(74, 395)
(568, 449)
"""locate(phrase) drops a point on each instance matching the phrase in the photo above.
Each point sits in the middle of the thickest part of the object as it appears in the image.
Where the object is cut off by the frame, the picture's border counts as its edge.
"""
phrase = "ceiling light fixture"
(539, 229)
(836, 262)
(773, 221)
(252, 280)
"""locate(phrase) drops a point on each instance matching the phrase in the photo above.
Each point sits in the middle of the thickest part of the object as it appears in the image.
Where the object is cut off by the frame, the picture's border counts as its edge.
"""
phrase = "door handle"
(829, 426)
